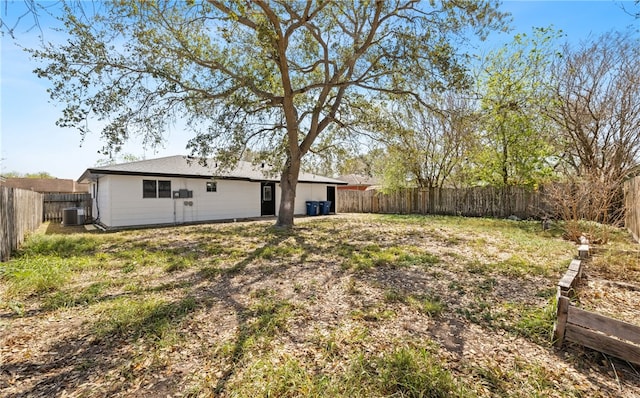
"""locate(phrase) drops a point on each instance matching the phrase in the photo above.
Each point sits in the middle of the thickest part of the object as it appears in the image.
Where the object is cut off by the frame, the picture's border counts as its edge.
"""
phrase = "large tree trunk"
(288, 184)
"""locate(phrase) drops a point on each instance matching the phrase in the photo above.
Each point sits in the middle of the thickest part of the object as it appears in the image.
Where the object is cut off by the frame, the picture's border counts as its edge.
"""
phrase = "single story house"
(177, 190)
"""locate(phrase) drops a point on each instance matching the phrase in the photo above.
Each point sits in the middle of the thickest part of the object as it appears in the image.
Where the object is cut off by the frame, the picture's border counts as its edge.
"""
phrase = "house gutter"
(89, 172)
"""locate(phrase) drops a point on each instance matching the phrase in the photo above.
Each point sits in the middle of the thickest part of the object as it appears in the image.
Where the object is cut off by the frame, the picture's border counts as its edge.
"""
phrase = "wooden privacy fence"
(473, 202)
(55, 203)
(20, 213)
(632, 206)
(589, 329)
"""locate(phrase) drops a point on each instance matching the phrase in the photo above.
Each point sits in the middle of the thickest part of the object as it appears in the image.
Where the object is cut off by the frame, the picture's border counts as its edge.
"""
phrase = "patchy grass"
(403, 372)
(35, 274)
(60, 245)
(341, 306)
(617, 265)
(535, 323)
(428, 304)
(68, 298)
(266, 316)
(152, 318)
(537, 378)
(406, 372)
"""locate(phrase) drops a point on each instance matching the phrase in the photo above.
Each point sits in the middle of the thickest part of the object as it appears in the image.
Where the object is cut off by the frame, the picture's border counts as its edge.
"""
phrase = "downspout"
(97, 219)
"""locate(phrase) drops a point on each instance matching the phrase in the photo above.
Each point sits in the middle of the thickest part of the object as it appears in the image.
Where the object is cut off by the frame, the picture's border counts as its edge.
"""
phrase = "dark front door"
(331, 195)
(268, 197)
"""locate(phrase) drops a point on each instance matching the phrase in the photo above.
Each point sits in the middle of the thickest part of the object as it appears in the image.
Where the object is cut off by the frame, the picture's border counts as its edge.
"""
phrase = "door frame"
(331, 195)
(266, 208)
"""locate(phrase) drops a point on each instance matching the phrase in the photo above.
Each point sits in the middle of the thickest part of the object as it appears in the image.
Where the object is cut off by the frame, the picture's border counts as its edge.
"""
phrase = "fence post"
(583, 251)
(561, 319)
(20, 213)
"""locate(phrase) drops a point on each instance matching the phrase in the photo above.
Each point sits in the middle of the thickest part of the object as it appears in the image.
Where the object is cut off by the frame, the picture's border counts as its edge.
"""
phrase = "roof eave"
(100, 172)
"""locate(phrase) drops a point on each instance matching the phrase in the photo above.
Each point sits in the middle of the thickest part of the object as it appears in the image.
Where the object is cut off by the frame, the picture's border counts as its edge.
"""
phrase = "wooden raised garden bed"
(595, 331)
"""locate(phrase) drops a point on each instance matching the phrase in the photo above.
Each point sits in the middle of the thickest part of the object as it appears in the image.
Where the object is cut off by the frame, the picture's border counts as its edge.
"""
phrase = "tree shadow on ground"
(74, 363)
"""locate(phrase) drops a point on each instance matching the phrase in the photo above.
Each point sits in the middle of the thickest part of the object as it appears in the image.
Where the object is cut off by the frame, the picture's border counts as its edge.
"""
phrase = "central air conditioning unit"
(72, 216)
(183, 194)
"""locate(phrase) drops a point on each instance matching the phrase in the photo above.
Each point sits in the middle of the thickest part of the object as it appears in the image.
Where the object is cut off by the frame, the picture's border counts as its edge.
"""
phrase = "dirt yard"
(612, 284)
(342, 306)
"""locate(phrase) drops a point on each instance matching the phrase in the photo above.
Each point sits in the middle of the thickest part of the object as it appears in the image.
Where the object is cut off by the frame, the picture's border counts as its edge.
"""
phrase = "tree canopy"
(597, 105)
(515, 138)
(269, 75)
(426, 145)
(16, 174)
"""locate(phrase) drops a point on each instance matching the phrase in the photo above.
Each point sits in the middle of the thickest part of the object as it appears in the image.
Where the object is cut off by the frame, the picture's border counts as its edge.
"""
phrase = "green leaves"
(270, 76)
(516, 141)
(138, 59)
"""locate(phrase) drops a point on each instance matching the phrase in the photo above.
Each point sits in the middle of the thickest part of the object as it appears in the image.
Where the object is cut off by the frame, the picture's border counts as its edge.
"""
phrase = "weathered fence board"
(567, 282)
(474, 202)
(606, 325)
(561, 319)
(20, 213)
(603, 343)
(632, 206)
(570, 279)
(576, 265)
(55, 203)
(598, 332)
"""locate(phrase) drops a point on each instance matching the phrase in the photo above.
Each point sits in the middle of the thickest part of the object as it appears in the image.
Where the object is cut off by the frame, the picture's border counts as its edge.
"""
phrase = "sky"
(30, 141)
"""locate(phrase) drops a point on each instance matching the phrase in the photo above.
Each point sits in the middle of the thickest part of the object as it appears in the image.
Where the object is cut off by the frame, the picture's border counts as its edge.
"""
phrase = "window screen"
(148, 188)
(164, 189)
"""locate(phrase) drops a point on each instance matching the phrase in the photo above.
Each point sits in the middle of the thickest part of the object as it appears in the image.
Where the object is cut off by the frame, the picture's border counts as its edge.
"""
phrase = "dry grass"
(612, 283)
(356, 305)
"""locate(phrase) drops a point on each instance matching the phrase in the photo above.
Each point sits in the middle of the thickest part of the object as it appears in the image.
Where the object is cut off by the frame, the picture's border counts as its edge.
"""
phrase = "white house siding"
(102, 201)
(306, 192)
(126, 206)
(121, 203)
(233, 199)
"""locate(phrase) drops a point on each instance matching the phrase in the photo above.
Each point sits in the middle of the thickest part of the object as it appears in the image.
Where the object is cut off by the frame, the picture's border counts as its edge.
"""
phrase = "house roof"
(183, 166)
(45, 185)
(358, 179)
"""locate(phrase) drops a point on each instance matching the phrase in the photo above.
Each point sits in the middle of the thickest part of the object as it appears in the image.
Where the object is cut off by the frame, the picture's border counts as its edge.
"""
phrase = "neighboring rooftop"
(183, 166)
(358, 179)
(46, 185)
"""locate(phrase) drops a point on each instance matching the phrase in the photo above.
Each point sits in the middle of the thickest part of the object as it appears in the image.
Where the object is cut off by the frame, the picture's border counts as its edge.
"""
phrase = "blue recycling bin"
(325, 206)
(321, 207)
(312, 208)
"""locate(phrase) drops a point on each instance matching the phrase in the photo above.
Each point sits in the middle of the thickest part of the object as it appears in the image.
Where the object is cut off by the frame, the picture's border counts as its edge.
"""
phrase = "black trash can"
(312, 208)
